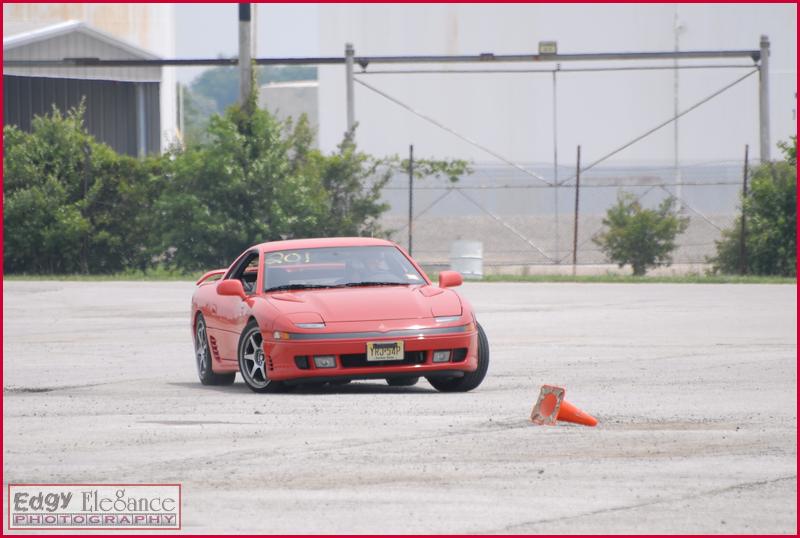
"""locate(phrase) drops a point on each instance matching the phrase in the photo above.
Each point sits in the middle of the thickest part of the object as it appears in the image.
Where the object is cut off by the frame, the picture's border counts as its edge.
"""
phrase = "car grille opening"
(459, 355)
(359, 360)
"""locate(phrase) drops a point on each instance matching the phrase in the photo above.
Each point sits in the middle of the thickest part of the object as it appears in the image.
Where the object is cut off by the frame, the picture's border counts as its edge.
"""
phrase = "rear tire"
(202, 355)
(253, 361)
(408, 381)
(470, 380)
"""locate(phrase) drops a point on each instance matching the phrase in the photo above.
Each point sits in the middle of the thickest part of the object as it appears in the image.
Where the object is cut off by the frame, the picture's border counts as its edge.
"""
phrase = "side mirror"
(450, 279)
(232, 288)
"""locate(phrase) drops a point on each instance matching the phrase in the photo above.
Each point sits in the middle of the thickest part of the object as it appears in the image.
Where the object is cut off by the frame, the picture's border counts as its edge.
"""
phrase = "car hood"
(367, 303)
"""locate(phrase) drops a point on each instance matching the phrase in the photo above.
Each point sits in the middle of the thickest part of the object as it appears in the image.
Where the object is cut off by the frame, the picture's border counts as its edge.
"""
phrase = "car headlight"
(325, 361)
(445, 319)
(442, 355)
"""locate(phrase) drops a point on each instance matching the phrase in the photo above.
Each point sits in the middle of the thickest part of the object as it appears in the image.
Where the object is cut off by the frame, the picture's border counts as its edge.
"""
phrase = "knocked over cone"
(551, 407)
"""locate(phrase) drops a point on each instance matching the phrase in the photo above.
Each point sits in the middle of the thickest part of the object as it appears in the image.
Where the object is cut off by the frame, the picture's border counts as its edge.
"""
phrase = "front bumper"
(350, 353)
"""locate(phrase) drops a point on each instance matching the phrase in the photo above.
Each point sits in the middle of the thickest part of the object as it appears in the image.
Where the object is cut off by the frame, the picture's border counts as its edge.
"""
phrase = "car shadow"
(356, 387)
(196, 385)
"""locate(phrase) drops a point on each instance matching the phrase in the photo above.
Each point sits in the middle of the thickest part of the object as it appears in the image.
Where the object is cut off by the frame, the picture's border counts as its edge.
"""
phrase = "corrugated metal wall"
(110, 107)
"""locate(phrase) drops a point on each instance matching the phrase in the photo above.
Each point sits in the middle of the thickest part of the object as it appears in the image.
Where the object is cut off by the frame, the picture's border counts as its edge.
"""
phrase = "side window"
(247, 272)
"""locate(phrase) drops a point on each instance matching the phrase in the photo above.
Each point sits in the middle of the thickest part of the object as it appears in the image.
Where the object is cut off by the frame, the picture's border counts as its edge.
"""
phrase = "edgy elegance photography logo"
(94, 506)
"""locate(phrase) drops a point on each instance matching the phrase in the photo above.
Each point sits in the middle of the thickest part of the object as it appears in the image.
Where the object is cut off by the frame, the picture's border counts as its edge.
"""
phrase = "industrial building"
(292, 99)
(122, 103)
(132, 109)
(525, 110)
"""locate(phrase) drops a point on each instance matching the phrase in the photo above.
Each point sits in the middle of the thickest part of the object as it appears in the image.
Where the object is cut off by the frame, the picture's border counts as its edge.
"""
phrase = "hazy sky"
(210, 30)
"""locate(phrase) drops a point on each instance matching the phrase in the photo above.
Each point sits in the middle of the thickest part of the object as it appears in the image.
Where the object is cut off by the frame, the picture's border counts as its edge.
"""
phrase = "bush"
(72, 204)
(643, 238)
(260, 180)
(214, 90)
(770, 210)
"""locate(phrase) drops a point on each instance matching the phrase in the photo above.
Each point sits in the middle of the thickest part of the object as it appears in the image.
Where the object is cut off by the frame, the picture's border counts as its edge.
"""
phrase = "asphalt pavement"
(695, 388)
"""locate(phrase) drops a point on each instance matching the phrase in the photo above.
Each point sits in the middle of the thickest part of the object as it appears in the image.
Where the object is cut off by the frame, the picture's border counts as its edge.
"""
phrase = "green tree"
(214, 90)
(770, 210)
(70, 203)
(197, 111)
(221, 84)
(119, 205)
(353, 182)
(789, 150)
(643, 238)
(74, 205)
(453, 169)
(223, 195)
(257, 180)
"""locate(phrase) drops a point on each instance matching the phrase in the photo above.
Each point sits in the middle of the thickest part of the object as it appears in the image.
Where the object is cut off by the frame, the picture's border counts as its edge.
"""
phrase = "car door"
(231, 313)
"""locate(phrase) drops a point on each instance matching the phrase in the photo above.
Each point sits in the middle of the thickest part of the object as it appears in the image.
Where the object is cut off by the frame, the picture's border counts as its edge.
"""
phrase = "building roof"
(75, 39)
(26, 37)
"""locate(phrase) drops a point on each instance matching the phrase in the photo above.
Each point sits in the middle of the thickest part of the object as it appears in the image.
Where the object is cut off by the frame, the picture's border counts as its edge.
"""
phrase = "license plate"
(385, 351)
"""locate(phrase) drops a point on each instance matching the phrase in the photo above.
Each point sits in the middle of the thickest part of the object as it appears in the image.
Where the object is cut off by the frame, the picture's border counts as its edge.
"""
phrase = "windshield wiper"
(357, 284)
(297, 287)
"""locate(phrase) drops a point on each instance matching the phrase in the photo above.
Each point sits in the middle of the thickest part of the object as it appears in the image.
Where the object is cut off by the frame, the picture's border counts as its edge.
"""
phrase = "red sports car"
(333, 310)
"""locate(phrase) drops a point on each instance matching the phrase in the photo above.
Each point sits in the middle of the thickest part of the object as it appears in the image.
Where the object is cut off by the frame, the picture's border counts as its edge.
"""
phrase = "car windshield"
(330, 267)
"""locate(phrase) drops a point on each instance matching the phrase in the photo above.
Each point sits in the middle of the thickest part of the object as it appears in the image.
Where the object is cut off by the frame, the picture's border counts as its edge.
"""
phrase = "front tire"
(470, 380)
(253, 361)
(202, 355)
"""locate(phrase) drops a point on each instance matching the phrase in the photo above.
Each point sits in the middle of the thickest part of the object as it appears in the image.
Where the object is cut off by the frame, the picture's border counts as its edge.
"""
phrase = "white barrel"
(466, 257)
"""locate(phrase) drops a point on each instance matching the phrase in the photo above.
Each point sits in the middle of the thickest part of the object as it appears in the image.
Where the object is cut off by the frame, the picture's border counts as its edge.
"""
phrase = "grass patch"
(158, 274)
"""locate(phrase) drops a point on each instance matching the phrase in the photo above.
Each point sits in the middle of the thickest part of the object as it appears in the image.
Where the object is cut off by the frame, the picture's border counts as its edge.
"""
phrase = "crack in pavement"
(32, 390)
(246, 452)
(652, 502)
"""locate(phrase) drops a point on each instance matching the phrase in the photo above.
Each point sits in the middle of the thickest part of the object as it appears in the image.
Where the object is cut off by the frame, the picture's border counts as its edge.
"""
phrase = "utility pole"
(245, 55)
(763, 100)
(349, 56)
(410, 197)
(677, 28)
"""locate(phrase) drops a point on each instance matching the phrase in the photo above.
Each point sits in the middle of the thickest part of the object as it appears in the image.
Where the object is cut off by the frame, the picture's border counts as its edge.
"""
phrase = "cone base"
(551, 407)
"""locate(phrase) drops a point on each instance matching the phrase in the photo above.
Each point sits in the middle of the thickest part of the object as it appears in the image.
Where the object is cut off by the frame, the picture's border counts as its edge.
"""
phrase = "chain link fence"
(526, 226)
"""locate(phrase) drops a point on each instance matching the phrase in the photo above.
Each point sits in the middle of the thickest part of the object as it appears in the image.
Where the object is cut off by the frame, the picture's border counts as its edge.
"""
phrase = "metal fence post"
(743, 237)
(763, 100)
(575, 225)
(410, 197)
(555, 165)
(349, 56)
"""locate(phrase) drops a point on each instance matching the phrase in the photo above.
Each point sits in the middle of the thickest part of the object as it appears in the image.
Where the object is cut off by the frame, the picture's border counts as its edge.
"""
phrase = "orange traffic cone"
(551, 407)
